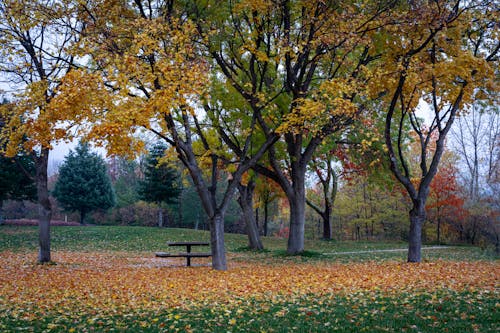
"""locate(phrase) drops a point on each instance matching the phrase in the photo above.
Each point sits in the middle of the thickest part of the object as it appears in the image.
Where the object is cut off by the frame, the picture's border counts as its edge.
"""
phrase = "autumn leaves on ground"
(91, 288)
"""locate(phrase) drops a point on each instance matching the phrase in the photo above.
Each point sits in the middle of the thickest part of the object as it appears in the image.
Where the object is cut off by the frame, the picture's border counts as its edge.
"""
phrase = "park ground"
(106, 279)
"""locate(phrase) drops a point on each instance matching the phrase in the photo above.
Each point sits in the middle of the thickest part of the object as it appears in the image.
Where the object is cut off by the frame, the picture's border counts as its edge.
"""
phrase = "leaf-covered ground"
(132, 291)
(119, 291)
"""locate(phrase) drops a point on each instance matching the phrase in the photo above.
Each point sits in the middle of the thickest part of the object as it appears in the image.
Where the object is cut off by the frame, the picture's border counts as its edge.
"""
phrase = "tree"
(34, 39)
(149, 73)
(246, 189)
(16, 177)
(444, 63)
(444, 194)
(16, 182)
(299, 67)
(125, 175)
(83, 184)
(161, 182)
(267, 191)
(328, 181)
(475, 138)
(352, 153)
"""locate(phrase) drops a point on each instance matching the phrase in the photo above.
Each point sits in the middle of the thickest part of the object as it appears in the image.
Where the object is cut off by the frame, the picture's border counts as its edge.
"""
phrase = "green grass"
(148, 239)
(444, 311)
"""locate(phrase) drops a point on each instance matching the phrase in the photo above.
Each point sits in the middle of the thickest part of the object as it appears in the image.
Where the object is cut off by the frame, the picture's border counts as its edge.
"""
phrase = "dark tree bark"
(44, 206)
(1, 212)
(438, 227)
(266, 217)
(245, 201)
(83, 217)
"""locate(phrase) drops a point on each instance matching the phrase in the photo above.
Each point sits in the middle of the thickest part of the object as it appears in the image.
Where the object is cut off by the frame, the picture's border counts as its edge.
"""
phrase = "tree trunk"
(256, 217)
(197, 221)
(246, 203)
(217, 242)
(329, 184)
(439, 230)
(417, 218)
(166, 218)
(44, 207)
(297, 221)
(181, 217)
(1, 212)
(266, 217)
(160, 216)
(83, 213)
(327, 223)
(325, 214)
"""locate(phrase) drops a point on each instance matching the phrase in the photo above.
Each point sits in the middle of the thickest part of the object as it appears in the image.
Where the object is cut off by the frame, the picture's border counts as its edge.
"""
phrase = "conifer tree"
(84, 184)
(160, 183)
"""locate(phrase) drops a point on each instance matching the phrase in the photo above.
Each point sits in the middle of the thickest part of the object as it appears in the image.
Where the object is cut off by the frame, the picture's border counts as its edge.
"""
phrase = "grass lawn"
(106, 279)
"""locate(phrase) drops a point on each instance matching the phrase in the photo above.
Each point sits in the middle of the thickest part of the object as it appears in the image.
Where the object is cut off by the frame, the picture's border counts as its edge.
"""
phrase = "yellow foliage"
(258, 6)
(447, 66)
(331, 101)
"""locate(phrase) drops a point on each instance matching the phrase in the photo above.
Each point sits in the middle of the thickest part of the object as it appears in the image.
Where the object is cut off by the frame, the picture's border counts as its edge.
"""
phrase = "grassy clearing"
(118, 286)
(145, 239)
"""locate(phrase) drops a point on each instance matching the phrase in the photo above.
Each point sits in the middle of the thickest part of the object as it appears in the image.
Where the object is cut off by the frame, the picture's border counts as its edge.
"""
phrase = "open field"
(107, 279)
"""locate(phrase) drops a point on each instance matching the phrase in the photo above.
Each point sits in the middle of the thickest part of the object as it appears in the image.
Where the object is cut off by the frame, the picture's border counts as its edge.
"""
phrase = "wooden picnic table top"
(195, 243)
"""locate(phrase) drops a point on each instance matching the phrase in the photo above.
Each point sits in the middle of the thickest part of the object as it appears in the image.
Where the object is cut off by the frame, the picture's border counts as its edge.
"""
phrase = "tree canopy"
(237, 85)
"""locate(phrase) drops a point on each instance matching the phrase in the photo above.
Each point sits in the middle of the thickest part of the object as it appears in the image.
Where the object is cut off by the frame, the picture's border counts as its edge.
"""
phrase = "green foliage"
(83, 184)
(16, 184)
(366, 210)
(161, 182)
(16, 177)
(125, 181)
(16, 174)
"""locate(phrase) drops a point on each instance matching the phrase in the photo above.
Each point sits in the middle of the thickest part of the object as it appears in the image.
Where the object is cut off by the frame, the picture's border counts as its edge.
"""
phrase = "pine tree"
(160, 184)
(84, 184)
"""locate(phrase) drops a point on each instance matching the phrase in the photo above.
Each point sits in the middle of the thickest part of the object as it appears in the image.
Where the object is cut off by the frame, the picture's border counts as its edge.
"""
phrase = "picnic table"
(188, 254)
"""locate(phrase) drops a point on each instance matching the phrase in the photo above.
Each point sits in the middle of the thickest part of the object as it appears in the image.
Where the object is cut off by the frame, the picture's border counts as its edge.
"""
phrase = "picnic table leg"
(188, 258)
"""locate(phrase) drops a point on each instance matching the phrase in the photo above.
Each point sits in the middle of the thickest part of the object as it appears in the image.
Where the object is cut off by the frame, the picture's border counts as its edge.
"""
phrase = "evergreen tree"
(15, 180)
(161, 182)
(84, 184)
(16, 176)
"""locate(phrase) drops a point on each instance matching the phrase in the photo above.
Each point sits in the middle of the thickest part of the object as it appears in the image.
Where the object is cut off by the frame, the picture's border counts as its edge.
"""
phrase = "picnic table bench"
(188, 254)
